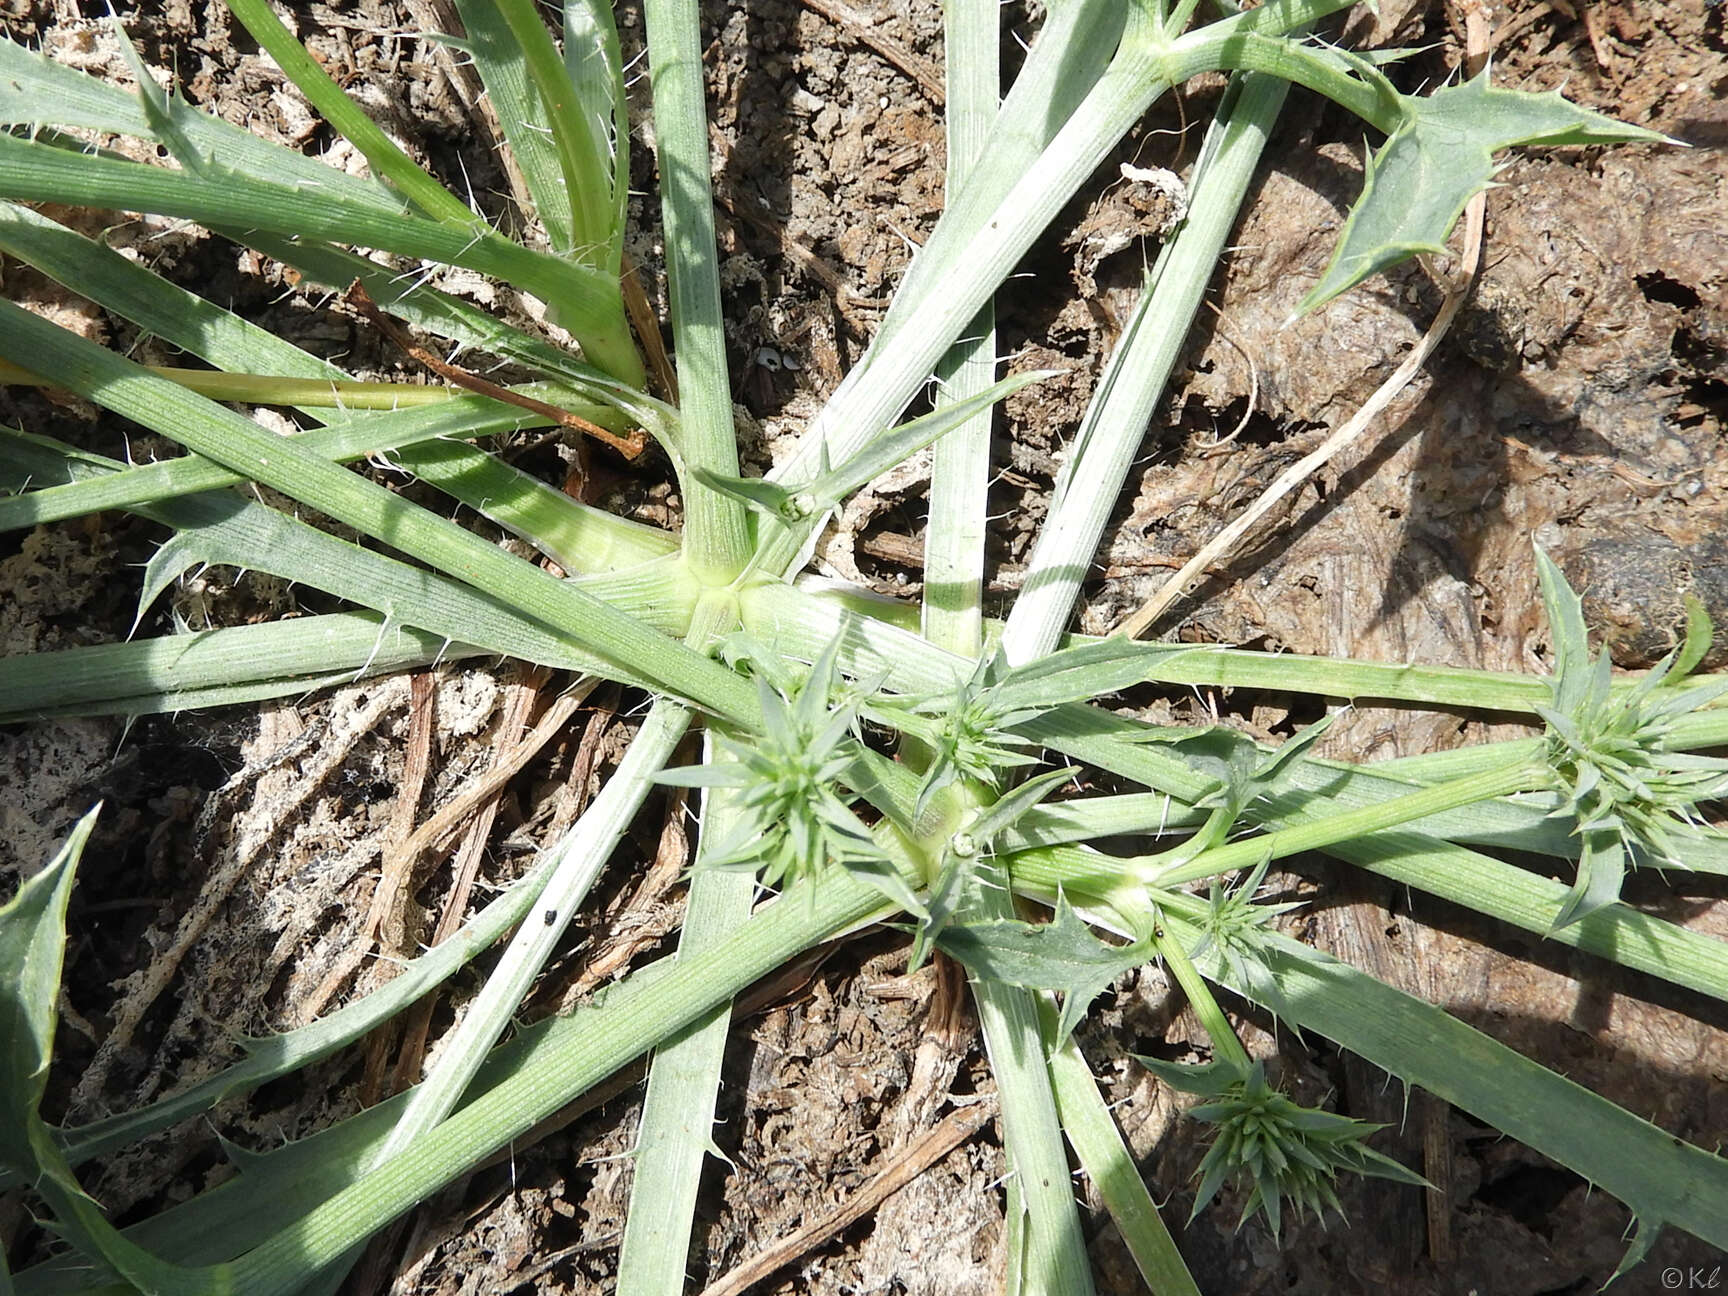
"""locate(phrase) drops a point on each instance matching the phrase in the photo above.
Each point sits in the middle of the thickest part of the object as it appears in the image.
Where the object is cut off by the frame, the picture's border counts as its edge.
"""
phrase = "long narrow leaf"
(570, 166)
(226, 529)
(577, 536)
(228, 438)
(386, 158)
(1110, 435)
(563, 1060)
(960, 467)
(273, 1056)
(880, 385)
(576, 862)
(1663, 1180)
(37, 92)
(717, 542)
(520, 111)
(676, 1133)
(595, 64)
(1108, 1163)
(31, 171)
(472, 328)
(878, 457)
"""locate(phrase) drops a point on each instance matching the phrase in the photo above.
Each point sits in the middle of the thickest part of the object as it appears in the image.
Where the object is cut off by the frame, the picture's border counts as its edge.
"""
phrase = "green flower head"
(1288, 1153)
(792, 821)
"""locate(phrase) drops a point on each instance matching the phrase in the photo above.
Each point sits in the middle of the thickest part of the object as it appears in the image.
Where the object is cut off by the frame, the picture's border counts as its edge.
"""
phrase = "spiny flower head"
(1237, 929)
(1288, 1153)
(791, 819)
(1611, 755)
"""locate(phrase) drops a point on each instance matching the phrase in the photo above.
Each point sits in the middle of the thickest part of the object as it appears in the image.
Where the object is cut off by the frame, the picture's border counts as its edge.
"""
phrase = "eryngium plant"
(951, 834)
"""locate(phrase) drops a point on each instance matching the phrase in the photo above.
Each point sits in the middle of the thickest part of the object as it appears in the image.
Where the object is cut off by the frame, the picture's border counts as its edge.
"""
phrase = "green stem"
(1217, 1026)
(1501, 781)
(578, 537)
(960, 466)
(1109, 876)
(879, 642)
(676, 1131)
(1046, 1248)
(1659, 1176)
(1700, 729)
(1326, 72)
(717, 541)
(1054, 1250)
(577, 1054)
(580, 856)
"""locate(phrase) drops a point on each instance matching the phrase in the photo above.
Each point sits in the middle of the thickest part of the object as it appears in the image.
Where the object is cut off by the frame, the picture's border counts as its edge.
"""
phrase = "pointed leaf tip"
(32, 951)
(1440, 155)
(1061, 954)
(1645, 1230)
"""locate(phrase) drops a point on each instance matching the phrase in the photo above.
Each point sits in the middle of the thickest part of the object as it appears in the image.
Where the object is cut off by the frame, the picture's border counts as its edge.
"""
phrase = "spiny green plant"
(1632, 797)
(1233, 930)
(1287, 1152)
(790, 821)
(953, 835)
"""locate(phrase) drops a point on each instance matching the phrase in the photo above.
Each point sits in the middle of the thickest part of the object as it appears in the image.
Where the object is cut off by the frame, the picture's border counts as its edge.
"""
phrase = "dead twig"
(646, 325)
(863, 29)
(399, 864)
(636, 927)
(442, 825)
(418, 1020)
(1606, 58)
(474, 839)
(254, 830)
(357, 297)
(572, 799)
(1230, 538)
(1517, 25)
(1218, 446)
(417, 763)
(903, 1169)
